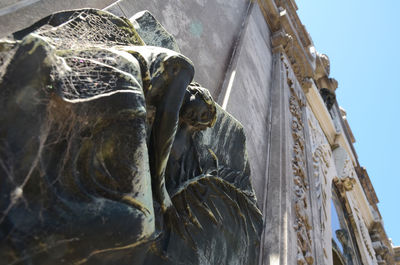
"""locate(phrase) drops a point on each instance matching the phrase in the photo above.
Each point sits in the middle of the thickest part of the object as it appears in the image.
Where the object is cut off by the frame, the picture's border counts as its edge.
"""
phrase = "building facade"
(260, 65)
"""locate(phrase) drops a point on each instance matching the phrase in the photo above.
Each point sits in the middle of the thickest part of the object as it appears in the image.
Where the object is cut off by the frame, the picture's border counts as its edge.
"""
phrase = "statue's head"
(198, 109)
(342, 235)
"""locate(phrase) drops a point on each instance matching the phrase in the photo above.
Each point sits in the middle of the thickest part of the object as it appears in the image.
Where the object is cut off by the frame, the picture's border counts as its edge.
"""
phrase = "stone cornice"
(342, 141)
(347, 126)
(282, 17)
(302, 33)
(271, 13)
(311, 68)
(380, 238)
(396, 251)
(367, 186)
(363, 202)
(301, 59)
(290, 34)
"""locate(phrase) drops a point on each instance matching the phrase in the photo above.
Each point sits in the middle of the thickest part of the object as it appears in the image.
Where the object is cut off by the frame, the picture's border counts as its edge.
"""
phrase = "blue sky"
(362, 41)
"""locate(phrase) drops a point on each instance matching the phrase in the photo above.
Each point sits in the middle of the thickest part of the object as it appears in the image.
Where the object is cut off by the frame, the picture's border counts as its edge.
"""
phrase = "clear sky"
(362, 40)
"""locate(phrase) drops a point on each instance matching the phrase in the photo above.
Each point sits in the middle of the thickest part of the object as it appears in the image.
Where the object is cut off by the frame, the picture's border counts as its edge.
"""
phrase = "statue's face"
(341, 234)
(197, 113)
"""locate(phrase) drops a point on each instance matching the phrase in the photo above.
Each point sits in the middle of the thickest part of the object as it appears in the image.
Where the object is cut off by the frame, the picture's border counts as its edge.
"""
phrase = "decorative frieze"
(322, 162)
(364, 235)
(289, 45)
(302, 210)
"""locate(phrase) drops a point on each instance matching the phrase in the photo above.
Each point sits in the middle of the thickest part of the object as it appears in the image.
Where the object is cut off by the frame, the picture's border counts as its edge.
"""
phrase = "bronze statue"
(110, 155)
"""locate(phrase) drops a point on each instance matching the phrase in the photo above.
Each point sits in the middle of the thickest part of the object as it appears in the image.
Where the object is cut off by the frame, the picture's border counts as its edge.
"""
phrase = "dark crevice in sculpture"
(328, 97)
(110, 154)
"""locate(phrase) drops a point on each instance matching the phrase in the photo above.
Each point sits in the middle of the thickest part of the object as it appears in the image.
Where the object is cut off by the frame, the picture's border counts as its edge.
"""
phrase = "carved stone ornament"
(364, 234)
(381, 250)
(285, 42)
(302, 223)
(110, 155)
(321, 74)
(346, 175)
(322, 162)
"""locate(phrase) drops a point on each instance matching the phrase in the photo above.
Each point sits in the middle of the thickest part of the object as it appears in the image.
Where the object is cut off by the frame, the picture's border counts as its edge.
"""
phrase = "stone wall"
(249, 99)
(206, 31)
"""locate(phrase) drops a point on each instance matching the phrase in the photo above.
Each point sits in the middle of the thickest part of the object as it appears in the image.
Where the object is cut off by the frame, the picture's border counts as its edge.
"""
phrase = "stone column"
(287, 237)
(275, 239)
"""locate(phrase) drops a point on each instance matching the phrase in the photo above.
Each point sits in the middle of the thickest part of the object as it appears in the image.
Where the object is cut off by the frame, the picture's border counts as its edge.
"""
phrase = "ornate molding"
(346, 179)
(286, 42)
(364, 234)
(285, 24)
(302, 224)
(385, 254)
(306, 62)
(347, 176)
(344, 184)
(322, 157)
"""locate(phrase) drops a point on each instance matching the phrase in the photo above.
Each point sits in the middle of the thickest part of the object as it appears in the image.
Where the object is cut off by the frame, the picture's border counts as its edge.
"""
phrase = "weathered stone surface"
(323, 172)
(108, 157)
(250, 99)
(205, 30)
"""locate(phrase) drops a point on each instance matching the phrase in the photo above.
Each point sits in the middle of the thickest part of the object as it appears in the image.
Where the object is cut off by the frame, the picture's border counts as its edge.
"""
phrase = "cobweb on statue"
(95, 70)
(90, 28)
(84, 44)
(85, 64)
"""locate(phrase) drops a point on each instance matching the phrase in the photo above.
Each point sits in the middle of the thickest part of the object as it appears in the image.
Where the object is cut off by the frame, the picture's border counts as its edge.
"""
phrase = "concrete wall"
(249, 98)
(206, 31)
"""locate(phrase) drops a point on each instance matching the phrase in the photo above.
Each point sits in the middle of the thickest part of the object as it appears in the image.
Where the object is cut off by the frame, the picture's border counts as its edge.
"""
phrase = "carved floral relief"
(302, 209)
